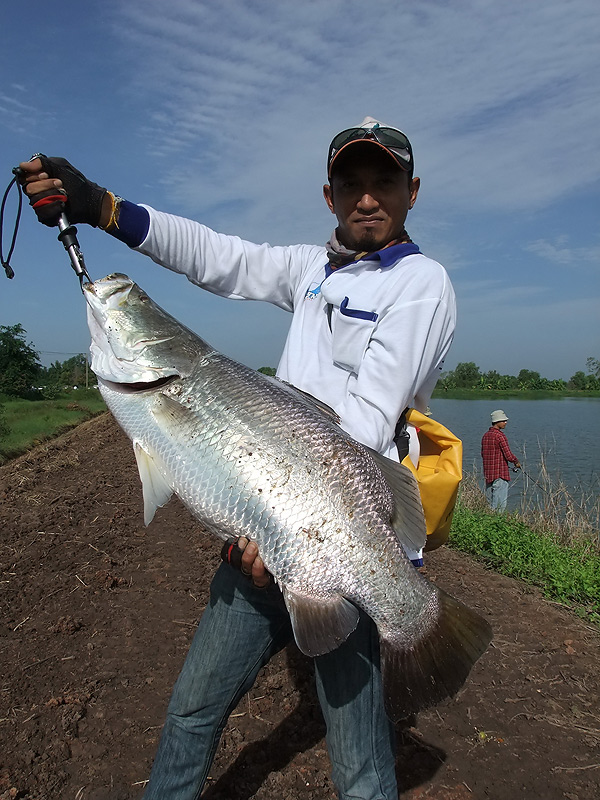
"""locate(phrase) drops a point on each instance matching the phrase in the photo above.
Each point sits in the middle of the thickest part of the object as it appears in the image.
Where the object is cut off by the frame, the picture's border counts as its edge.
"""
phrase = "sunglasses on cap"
(390, 139)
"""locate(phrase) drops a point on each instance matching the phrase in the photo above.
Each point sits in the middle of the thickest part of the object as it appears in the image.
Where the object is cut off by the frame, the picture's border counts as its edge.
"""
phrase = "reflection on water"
(565, 433)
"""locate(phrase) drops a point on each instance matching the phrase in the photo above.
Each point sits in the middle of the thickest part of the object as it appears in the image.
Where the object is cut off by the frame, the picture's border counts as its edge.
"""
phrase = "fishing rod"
(580, 506)
(530, 478)
(67, 235)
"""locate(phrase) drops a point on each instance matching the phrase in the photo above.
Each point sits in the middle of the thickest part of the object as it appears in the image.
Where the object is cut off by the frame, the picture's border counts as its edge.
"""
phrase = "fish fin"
(408, 520)
(320, 625)
(310, 400)
(155, 488)
(172, 414)
(418, 674)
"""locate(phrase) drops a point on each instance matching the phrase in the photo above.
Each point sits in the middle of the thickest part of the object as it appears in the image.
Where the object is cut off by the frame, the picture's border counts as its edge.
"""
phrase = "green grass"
(567, 573)
(30, 422)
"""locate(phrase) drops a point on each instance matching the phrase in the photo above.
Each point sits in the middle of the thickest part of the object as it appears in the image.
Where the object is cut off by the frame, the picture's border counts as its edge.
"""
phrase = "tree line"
(22, 375)
(467, 375)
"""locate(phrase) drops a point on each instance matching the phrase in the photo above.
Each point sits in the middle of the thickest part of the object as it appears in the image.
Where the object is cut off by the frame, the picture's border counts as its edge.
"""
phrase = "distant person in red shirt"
(496, 454)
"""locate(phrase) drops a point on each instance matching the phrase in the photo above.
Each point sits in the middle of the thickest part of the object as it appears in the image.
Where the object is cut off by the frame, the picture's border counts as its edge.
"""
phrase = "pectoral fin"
(320, 625)
(155, 488)
(173, 418)
(408, 519)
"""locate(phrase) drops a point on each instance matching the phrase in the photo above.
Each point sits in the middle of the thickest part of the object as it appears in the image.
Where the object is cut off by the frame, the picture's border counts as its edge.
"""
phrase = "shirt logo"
(313, 291)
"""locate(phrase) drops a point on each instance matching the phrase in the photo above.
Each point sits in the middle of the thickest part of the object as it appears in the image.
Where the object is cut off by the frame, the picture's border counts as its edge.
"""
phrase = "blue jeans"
(240, 630)
(497, 494)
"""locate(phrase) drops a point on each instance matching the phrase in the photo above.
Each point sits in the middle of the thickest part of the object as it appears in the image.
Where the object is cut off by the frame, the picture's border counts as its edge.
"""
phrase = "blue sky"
(223, 112)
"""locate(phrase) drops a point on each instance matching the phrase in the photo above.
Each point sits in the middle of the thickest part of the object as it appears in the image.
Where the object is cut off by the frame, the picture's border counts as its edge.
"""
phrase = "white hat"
(498, 416)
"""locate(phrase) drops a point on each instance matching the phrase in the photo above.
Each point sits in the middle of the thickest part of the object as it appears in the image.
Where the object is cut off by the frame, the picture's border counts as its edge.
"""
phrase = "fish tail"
(436, 663)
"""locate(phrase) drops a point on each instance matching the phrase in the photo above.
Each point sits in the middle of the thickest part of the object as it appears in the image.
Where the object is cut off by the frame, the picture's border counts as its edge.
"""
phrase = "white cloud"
(558, 251)
(223, 112)
(498, 97)
(17, 115)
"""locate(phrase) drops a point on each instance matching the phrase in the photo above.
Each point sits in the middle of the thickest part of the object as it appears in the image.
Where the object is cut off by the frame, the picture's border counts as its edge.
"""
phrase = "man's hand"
(48, 178)
(36, 180)
(252, 564)
(46, 194)
(242, 554)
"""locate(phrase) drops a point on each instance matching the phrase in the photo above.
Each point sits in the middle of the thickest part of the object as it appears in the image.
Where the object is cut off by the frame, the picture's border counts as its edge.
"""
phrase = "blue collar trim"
(386, 257)
(390, 255)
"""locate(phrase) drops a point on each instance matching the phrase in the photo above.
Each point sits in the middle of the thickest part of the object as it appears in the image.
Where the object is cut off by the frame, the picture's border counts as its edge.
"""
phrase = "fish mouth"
(123, 356)
(139, 387)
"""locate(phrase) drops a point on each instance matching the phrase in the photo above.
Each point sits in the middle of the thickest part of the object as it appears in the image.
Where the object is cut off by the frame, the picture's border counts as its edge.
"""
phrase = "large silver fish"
(251, 456)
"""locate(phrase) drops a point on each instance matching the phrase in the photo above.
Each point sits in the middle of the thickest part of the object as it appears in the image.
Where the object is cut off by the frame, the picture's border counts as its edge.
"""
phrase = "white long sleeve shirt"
(369, 340)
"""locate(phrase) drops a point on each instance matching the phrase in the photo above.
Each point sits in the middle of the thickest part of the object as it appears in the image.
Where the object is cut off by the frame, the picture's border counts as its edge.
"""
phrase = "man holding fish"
(372, 321)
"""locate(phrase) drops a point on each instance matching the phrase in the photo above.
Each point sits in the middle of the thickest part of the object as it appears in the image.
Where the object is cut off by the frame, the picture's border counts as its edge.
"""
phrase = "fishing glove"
(232, 554)
(81, 200)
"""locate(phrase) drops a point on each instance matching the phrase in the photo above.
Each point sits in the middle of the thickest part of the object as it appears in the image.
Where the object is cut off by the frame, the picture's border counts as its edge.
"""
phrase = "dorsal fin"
(408, 519)
(309, 399)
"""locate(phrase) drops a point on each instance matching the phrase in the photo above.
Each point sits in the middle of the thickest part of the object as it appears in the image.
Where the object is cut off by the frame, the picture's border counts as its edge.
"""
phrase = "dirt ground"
(97, 613)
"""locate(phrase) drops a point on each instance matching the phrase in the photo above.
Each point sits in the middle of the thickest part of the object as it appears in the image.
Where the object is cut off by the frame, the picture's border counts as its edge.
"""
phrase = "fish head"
(134, 341)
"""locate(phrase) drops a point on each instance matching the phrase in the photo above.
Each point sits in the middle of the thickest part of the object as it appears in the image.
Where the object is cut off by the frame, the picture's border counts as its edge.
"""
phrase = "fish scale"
(239, 486)
(250, 456)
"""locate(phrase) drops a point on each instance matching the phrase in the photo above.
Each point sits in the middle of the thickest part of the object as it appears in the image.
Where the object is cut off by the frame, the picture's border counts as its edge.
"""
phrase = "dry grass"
(548, 506)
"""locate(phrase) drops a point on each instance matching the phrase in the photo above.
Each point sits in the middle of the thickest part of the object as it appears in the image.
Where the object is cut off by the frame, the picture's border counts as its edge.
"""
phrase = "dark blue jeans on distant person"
(240, 630)
(497, 494)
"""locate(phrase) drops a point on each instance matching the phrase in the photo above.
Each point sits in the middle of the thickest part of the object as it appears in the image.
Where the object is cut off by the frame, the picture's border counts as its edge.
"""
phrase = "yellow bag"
(438, 475)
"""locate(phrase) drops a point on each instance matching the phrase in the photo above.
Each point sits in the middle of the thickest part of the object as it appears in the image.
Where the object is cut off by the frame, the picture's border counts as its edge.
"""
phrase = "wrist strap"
(113, 222)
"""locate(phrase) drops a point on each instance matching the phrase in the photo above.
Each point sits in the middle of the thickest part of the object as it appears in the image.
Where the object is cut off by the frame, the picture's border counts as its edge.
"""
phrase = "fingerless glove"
(83, 199)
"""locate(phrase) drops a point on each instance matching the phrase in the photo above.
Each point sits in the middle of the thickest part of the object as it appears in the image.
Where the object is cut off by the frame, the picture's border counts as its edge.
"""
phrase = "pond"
(564, 433)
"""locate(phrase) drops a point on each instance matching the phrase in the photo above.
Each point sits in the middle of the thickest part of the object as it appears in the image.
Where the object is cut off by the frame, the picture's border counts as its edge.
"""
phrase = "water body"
(566, 431)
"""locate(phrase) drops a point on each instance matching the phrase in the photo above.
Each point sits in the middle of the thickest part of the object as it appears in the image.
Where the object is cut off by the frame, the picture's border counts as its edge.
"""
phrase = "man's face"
(370, 196)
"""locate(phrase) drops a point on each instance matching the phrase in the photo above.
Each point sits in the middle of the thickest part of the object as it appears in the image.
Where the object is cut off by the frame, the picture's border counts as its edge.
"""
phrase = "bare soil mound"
(97, 613)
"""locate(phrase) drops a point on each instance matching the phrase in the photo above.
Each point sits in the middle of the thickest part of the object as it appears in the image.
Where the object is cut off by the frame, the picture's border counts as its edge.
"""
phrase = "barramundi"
(251, 456)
